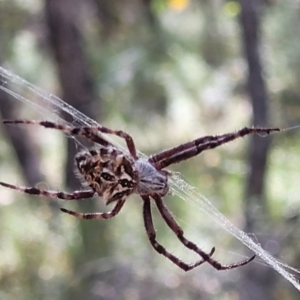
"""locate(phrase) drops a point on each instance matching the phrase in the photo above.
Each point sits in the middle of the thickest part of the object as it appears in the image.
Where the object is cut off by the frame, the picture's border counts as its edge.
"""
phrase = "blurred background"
(166, 71)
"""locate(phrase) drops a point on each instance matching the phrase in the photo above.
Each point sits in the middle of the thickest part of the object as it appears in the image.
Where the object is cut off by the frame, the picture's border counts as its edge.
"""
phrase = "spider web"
(51, 107)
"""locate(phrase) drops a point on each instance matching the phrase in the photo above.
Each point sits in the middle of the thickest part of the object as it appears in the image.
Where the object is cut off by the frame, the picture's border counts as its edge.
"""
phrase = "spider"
(115, 175)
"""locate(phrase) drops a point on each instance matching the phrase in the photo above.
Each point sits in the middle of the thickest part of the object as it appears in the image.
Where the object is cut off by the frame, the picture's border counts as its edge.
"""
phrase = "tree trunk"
(78, 90)
(27, 152)
(258, 280)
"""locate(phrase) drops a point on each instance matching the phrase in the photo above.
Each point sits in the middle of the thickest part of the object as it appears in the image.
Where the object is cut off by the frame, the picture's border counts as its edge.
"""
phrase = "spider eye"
(125, 183)
(106, 176)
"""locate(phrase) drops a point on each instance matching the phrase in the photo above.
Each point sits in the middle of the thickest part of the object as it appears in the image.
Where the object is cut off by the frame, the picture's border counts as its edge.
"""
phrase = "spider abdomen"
(109, 172)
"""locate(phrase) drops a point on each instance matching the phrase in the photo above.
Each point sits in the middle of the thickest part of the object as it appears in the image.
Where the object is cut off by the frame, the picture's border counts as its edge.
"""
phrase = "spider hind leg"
(76, 195)
(90, 216)
(89, 132)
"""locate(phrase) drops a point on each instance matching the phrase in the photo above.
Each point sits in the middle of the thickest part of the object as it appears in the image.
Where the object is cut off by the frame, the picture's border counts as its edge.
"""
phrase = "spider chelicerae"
(115, 175)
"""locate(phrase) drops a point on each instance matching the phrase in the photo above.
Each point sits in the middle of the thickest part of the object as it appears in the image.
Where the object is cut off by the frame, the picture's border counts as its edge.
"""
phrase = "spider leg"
(76, 195)
(191, 149)
(89, 216)
(158, 247)
(90, 135)
(88, 132)
(128, 139)
(170, 152)
(180, 234)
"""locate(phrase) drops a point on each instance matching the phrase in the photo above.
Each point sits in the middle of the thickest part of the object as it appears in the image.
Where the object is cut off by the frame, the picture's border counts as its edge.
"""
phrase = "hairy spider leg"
(89, 135)
(76, 195)
(87, 132)
(165, 213)
(158, 247)
(186, 151)
(90, 216)
(170, 152)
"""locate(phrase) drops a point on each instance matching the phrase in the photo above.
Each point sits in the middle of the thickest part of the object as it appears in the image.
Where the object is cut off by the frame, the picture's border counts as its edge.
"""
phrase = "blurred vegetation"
(166, 71)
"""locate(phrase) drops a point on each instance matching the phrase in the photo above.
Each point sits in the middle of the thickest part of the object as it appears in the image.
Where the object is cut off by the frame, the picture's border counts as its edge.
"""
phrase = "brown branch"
(258, 281)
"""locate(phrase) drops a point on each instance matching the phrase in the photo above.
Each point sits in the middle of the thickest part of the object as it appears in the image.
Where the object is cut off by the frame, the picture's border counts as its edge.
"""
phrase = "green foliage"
(165, 76)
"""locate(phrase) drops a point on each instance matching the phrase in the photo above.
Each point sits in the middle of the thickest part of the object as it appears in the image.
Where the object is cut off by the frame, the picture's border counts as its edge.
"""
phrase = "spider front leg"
(180, 234)
(158, 247)
(76, 195)
(193, 148)
(89, 216)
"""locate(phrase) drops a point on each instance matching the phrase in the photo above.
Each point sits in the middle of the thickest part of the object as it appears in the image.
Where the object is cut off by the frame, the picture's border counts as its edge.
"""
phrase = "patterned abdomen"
(109, 172)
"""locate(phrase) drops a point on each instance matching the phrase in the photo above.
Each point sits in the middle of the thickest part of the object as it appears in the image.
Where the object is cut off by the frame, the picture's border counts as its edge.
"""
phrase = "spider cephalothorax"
(114, 175)
(151, 181)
